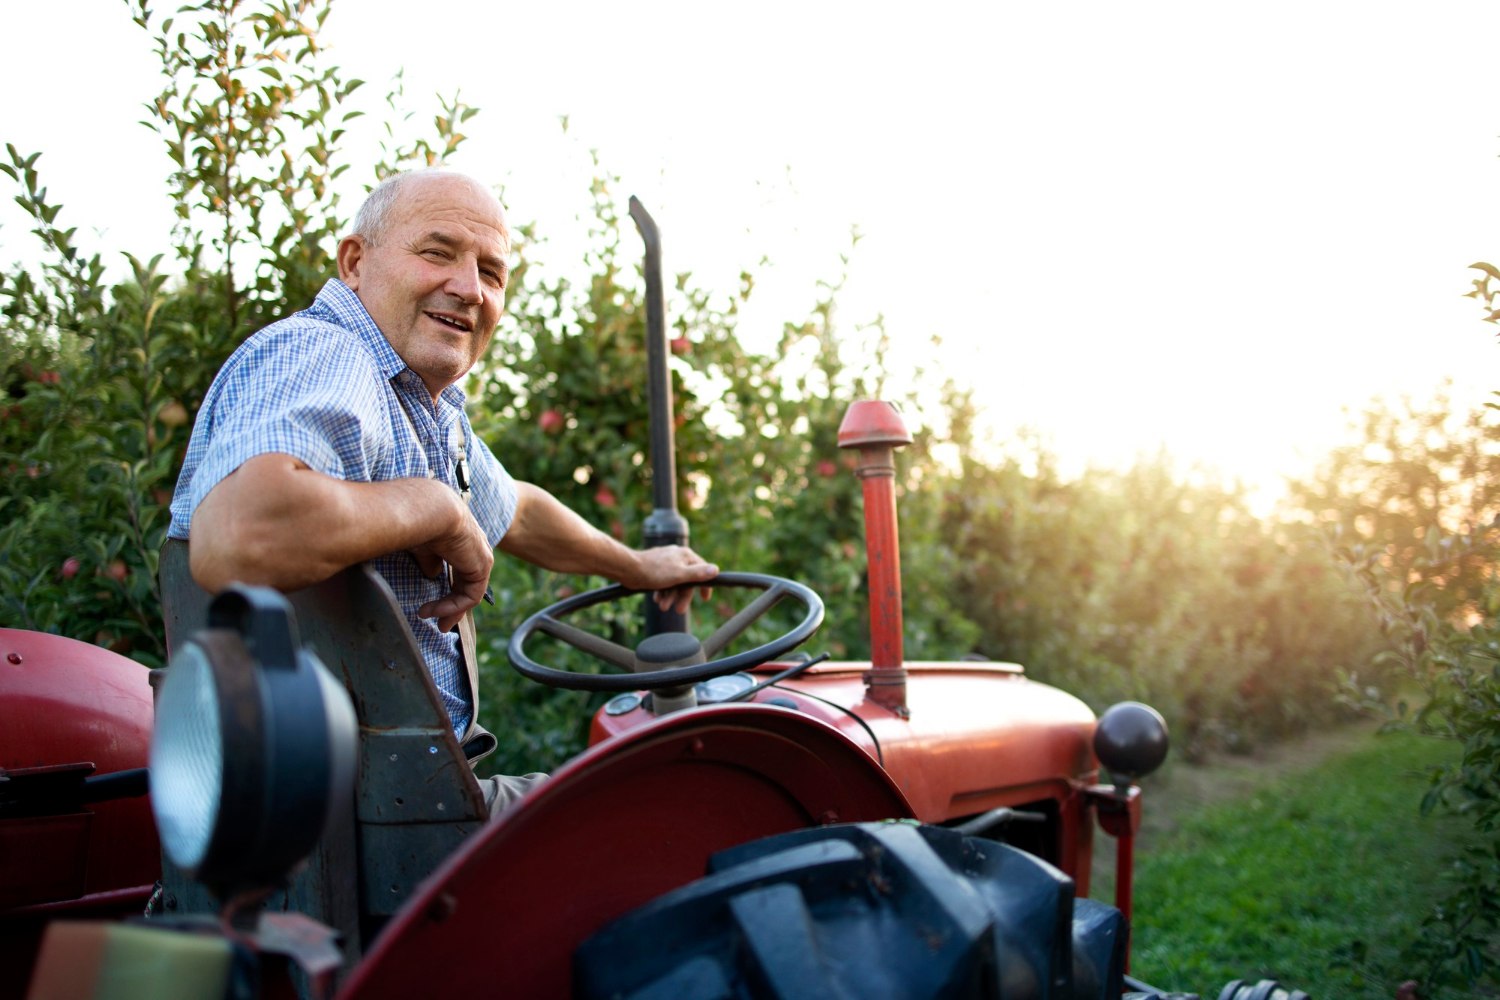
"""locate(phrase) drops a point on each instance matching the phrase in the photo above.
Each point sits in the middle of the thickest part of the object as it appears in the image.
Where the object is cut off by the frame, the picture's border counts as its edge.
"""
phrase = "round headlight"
(187, 758)
(254, 747)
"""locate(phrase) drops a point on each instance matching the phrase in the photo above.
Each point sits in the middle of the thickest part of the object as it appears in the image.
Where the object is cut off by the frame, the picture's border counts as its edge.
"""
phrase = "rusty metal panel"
(184, 604)
(408, 778)
(395, 859)
(356, 627)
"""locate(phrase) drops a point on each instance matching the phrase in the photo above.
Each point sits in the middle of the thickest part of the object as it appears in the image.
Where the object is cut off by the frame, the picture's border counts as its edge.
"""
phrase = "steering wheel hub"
(669, 649)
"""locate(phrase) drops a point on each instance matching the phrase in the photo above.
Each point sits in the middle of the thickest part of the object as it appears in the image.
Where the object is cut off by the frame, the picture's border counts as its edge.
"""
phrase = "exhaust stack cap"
(873, 423)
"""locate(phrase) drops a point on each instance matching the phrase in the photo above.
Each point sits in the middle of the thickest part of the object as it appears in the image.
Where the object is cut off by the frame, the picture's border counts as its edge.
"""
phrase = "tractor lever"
(58, 788)
(1003, 816)
(128, 784)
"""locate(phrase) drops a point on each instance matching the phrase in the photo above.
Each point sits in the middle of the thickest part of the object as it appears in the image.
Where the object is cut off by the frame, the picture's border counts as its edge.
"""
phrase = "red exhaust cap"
(871, 423)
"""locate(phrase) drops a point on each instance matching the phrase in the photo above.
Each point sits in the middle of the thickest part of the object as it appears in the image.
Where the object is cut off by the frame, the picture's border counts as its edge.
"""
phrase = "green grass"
(1316, 878)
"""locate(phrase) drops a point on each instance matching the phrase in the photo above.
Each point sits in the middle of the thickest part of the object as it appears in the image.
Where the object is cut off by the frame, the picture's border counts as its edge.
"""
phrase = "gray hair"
(374, 216)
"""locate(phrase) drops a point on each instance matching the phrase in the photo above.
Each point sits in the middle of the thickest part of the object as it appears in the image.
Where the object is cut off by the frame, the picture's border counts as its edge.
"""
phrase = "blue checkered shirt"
(326, 387)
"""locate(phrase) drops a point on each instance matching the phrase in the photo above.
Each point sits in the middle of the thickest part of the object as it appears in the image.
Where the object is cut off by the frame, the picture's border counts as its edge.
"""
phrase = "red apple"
(70, 567)
(550, 421)
(680, 345)
(605, 497)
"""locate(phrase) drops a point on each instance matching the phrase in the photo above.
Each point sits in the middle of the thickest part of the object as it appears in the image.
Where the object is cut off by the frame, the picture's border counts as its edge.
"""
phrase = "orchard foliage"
(1419, 516)
(1145, 583)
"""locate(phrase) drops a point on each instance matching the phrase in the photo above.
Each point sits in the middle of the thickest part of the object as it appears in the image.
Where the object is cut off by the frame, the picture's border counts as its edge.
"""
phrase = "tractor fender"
(68, 710)
(628, 820)
(65, 703)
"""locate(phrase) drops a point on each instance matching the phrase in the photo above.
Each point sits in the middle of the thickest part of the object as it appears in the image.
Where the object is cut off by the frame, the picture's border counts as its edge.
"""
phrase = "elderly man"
(338, 436)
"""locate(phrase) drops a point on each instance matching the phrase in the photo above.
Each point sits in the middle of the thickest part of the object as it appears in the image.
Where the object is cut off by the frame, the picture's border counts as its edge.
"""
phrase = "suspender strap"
(477, 742)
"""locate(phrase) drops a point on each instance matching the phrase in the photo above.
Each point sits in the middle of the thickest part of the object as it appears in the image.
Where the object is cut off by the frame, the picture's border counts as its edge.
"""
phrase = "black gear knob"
(1130, 740)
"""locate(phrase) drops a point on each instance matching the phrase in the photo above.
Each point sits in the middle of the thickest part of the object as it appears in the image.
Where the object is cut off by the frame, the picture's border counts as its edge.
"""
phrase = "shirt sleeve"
(305, 390)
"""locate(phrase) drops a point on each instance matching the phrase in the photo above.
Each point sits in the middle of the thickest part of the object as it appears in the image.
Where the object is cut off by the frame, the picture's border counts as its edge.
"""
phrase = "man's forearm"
(550, 535)
(278, 523)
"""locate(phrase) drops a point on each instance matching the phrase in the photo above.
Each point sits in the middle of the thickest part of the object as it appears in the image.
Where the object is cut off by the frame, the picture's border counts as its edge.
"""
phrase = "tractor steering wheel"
(668, 659)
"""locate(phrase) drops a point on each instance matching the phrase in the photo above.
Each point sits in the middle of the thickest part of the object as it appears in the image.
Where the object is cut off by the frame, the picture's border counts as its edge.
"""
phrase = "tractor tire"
(867, 910)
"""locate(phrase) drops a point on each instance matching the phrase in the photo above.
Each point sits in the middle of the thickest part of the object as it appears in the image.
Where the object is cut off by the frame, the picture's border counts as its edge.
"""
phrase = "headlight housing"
(254, 747)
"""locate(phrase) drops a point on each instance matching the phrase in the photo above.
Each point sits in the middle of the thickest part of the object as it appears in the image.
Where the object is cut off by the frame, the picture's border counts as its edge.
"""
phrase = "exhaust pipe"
(876, 430)
(664, 525)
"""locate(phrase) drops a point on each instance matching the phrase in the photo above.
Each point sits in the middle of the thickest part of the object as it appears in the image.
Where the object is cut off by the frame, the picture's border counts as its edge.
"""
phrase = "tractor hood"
(975, 736)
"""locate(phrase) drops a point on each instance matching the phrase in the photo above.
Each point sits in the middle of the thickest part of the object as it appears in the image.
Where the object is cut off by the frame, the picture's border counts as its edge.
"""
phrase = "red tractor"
(750, 823)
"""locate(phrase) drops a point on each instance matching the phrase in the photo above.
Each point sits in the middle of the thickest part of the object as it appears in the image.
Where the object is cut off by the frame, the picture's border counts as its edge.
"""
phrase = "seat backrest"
(416, 797)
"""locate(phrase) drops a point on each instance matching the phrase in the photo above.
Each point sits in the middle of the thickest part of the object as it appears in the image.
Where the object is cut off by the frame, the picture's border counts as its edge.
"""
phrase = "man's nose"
(463, 282)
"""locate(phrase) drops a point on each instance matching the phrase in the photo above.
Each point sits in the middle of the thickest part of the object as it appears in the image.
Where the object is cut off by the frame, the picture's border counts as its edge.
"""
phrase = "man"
(337, 436)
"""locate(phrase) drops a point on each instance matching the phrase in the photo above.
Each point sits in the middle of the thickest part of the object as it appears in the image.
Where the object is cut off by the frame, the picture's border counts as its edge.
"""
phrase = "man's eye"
(436, 253)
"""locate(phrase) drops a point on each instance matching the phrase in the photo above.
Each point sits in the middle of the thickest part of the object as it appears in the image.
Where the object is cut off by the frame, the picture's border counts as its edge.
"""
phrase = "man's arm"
(552, 536)
(276, 522)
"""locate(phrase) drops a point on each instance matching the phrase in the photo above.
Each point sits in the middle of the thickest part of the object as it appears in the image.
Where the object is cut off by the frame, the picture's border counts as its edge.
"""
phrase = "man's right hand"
(466, 557)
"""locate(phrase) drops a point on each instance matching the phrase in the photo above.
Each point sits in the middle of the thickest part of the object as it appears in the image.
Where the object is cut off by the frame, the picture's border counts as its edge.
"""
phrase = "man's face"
(435, 283)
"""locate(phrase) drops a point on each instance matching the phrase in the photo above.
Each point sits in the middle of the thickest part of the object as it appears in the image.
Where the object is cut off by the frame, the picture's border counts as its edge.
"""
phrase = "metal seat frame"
(416, 797)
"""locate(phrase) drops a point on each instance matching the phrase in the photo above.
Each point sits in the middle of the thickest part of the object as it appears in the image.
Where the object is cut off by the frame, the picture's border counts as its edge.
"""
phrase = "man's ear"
(350, 256)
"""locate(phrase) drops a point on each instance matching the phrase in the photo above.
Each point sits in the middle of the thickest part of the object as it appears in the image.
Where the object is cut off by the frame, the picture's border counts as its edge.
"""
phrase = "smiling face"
(433, 276)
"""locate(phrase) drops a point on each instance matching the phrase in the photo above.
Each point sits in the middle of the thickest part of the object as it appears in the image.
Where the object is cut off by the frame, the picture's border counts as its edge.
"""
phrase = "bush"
(1423, 535)
(1145, 585)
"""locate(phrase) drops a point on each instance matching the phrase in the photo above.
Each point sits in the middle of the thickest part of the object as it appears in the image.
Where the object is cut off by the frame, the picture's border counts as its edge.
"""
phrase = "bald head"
(373, 220)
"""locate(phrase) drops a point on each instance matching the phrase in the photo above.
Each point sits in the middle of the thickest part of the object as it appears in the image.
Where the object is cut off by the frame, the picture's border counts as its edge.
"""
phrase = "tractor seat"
(416, 797)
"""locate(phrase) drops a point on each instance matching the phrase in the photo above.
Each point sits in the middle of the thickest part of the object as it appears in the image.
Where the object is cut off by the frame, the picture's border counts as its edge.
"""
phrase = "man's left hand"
(671, 571)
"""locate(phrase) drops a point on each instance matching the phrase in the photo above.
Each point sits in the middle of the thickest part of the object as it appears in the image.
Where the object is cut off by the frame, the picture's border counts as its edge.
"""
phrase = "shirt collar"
(341, 303)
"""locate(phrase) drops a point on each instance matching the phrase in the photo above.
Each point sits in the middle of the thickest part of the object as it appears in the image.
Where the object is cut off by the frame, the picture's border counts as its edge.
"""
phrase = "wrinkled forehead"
(429, 200)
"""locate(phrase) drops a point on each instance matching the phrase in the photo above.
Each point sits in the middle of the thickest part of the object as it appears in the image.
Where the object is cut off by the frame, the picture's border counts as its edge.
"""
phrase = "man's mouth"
(456, 322)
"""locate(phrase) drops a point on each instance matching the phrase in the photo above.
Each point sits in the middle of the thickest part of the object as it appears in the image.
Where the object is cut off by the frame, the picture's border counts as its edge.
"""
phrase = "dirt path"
(1184, 787)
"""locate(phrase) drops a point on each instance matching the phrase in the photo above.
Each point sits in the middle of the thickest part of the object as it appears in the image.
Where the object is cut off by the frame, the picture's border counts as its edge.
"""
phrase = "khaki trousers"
(502, 790)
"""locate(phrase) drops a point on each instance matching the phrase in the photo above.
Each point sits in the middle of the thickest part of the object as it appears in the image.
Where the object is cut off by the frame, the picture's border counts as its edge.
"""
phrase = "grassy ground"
(1311, 868)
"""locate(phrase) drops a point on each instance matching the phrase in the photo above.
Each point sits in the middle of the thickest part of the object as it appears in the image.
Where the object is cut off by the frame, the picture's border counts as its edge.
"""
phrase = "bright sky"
(1201, 226)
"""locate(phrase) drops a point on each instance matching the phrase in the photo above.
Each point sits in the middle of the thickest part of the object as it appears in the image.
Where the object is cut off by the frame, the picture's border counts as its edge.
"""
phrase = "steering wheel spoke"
(747, 616)
(600, 649)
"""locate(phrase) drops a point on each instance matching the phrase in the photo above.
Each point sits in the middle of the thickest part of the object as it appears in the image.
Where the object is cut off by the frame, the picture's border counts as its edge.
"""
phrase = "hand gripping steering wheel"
(669, 659)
